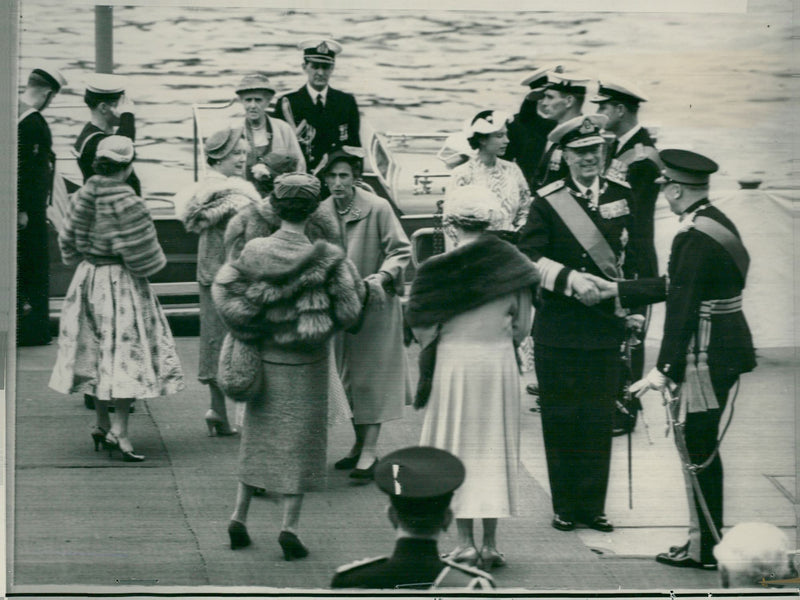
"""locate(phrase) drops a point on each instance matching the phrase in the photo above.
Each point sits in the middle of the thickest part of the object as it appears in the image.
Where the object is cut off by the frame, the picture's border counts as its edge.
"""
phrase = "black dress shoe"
(348, 462)
(563, 523)
(599, 523)
(364, 474)
(678, 549)
(682, 559)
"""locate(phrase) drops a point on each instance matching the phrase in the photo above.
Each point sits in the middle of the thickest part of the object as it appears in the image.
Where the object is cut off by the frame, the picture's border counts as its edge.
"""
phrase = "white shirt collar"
(623, 139)
(314, 93)
(595, 187)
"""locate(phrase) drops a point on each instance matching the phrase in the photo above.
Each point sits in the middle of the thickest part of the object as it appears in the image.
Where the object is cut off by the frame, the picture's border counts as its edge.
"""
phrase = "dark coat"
(527, 138)
(415, 565)
(562, 321)
(699, 269)
(641, 174)
(91, 135)
(336, 125)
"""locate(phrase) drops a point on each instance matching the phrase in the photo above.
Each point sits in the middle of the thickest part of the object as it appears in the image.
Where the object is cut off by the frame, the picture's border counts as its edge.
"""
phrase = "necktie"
(590, 197)
(320, 105)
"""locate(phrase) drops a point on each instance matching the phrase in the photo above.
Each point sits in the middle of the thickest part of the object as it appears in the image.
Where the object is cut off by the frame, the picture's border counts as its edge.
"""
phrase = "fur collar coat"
(289, 292)
(205, 209)
(259, 220)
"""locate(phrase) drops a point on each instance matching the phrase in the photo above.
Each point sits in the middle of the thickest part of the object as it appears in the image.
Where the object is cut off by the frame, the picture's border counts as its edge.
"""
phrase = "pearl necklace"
(346, 210)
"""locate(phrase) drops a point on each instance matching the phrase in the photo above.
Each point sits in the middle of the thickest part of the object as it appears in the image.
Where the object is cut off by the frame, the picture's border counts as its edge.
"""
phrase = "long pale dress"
(474, 406)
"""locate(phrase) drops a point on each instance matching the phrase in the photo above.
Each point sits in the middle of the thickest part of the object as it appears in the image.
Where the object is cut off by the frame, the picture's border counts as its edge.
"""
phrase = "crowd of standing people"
(548, 233)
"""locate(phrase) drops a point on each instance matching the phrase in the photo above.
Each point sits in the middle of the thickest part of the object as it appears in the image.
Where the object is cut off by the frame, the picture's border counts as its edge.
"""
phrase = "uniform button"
(583, 255)
(583, 269)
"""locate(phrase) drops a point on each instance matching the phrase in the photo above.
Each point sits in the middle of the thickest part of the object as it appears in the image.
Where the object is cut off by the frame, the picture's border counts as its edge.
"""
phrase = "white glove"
(654, 380)
(635, 322)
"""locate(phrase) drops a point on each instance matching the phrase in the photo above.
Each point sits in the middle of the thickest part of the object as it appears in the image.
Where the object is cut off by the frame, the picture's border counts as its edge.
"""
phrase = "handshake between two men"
(589, 290)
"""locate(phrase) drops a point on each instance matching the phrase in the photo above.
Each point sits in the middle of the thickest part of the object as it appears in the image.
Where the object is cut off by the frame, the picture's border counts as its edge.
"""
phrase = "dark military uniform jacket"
(551, 167)
(415, 565)
(637, 162)
(86, 147)
(561, 321)
(527, 138)
(699, 269)
(337, 124)
(36, 163)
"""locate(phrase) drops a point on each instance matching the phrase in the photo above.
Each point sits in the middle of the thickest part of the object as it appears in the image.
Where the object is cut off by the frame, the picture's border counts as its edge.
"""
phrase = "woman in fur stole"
(206, 210)
(470, 308)
(285, 296)
(114, 341)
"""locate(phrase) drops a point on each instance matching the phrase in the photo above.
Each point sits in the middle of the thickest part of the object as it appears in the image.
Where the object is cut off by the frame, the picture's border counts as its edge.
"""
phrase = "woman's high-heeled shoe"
(466, 556)
(238, 534)
(292, 546)
(491, 558)
(217, 424)
(348, 462)
(367, 474)
(99, 437)
(112, 443)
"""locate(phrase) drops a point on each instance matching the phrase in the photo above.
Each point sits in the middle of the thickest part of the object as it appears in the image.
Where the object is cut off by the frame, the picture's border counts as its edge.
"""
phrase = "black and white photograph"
(243, 350)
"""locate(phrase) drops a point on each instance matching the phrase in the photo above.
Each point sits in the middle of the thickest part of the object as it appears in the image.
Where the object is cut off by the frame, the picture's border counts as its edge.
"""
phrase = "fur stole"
(294, 295)
(259, 220)
(469, 276)
(215, 200)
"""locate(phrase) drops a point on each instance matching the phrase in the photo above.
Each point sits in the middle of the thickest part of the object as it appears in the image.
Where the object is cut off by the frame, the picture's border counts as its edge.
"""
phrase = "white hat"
(474, 203)
(486, 121)
(105, 83)
(580, 132)
(320, 50)
(51, 76)
(117, 148)
(618, 90)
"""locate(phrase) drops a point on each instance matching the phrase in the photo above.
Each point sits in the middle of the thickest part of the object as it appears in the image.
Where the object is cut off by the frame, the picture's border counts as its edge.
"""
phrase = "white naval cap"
(105, 84)
(49, 75)
(320, 50)
(618, 90)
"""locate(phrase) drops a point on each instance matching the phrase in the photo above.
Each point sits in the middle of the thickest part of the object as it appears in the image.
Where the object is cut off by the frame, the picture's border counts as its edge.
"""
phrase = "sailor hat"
(320, 50)
(221, 143)
(569, 84)
(117, 148)
(49, 76)
(616, 90)
(539, 79)
(419, 473)
(105, 84)
(580, 132)
(255, 81)
(486, 121)
(684, 166)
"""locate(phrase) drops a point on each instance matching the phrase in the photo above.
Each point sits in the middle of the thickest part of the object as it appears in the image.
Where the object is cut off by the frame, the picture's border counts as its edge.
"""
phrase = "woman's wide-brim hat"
(490, 123)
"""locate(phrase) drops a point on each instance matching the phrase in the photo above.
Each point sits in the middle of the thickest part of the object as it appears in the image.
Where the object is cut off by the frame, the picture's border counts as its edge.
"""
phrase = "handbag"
(240, 373)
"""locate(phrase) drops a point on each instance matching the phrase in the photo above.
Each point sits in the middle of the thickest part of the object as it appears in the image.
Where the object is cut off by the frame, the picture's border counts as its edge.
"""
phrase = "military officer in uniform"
(111, 114)
(420, 482)
(324, 118)
(562, 101)
(578, 226)
(35, 171)
(707, 343)
(632, 156)
(527, 131)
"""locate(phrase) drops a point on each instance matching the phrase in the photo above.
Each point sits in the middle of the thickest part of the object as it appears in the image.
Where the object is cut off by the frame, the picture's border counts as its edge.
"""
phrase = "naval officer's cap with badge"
(538, 80)
(584, 131)
(567, 84)
(686, 167)
(618, 91)
(319, 50)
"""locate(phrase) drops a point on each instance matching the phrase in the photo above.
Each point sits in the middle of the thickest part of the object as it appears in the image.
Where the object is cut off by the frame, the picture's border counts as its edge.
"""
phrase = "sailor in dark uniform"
(578, 226)
(703, 292)
(420, 482)
(36, 168)
(111, 114)
(527, 131)
(323, 118)
(562, 101)
(632, 156)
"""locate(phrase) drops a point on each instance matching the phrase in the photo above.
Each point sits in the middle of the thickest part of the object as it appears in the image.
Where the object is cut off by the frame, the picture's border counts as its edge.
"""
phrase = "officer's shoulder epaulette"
(474, 571)
(357, 564)
(550, 188)
(611, 177)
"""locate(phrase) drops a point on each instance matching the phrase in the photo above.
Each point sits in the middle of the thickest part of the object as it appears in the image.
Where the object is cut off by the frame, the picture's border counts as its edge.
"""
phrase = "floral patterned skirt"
(114, 340)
